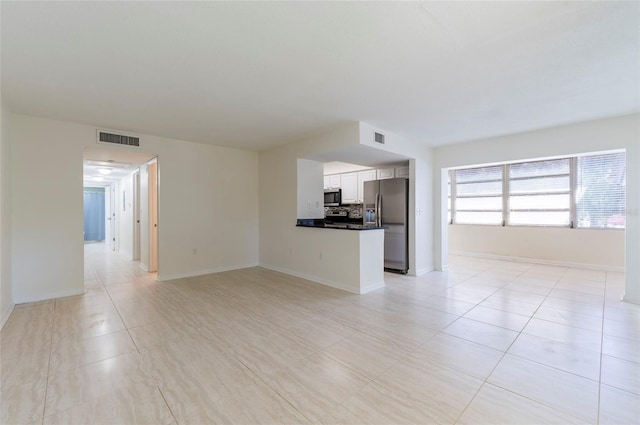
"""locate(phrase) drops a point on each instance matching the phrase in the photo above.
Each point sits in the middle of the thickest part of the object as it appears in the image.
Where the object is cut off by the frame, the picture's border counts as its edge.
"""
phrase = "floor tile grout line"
(167, 404)
(46, 389)
(120, 316)
(507, 350)
(601, 347)
(275, 391)
(504, 353)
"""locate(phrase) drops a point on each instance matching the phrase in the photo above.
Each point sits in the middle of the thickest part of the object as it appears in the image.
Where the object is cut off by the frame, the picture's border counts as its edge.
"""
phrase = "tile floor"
(489, 342)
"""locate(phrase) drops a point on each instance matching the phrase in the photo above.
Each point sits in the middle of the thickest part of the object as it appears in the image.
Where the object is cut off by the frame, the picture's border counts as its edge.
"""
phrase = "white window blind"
(600, 191)
(586, 192)
(478, 196)
(540, 193)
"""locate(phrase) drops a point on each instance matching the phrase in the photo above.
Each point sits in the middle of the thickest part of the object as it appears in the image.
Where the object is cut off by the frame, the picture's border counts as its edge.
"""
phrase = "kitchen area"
(368, 198)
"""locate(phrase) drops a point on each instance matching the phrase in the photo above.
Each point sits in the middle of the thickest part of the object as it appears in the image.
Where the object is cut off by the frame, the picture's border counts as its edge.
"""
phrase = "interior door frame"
(136, 216)
(153, 215)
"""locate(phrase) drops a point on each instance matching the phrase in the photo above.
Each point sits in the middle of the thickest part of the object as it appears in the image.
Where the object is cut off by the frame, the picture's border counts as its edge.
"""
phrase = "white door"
(136, 216)
(108, 217)
(153, 217)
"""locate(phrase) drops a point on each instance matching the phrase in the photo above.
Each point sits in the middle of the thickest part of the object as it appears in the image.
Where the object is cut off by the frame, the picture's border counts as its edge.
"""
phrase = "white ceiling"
(259, 74)
(121, 163)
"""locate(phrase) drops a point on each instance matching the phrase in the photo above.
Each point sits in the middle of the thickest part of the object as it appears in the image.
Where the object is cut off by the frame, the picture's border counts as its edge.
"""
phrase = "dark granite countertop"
(320, 224)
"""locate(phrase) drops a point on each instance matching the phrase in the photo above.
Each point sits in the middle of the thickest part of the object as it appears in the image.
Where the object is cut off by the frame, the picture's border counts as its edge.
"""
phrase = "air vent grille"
(118, 139)
(379, 138)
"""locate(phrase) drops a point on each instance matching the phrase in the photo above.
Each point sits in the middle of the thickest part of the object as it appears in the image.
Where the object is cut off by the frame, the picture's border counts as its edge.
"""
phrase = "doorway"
(94, 214)
(128, 208)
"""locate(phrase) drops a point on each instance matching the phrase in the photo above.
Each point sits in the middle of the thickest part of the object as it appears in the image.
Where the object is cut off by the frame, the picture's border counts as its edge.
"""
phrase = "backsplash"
(354, 210)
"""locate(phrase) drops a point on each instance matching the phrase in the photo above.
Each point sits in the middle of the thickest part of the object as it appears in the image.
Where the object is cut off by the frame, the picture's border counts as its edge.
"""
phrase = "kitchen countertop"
(320, 224)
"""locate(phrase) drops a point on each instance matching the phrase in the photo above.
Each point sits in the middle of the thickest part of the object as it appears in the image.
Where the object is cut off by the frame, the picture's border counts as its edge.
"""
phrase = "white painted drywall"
(371, 256)
(632, 236)
(47, 212)
(579, 247)
(328, 256)
(593, 136)
(208, 202)
(6, 296)
(310, 195)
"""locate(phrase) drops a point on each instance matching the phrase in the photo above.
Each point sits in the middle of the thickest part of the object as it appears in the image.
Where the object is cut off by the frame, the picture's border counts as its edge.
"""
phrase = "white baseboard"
(49, 296)
(6, 314)
(326, 282)
(630, 300)
(538, 261)
(167, 277)
(372, 287)
(423, 270)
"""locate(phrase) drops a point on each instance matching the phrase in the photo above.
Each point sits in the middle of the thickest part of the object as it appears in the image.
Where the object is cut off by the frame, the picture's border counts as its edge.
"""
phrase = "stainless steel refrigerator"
(386, 203)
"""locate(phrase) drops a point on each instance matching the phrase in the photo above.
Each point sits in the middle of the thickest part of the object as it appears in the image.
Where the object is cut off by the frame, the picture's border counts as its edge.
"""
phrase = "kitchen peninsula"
(355, 262)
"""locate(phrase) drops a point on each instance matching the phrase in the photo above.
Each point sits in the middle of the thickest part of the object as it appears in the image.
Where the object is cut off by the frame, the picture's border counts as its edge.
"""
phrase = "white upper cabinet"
(402, 172)
(364, 176)
(332, 181)
(349, 182)
(385, 173)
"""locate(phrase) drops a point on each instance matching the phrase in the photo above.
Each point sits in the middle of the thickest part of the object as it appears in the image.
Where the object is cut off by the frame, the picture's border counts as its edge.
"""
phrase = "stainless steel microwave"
(333, 197)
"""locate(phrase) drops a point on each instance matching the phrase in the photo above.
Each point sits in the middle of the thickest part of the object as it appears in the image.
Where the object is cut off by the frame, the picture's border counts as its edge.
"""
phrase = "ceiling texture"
(254, 75)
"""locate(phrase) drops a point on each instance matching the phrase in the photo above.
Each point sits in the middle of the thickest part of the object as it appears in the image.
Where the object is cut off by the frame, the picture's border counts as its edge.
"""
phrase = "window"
(479, 195)
(540, 193)
(585, 192)
(600, 191)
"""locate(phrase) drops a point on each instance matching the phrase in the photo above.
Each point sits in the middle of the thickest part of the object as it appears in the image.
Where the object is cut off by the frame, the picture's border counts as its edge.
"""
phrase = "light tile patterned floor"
(489, 342)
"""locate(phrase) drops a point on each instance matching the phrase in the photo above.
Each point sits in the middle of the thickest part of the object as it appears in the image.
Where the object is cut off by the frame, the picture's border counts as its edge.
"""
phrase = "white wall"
(208, 201)
(591, 248)
(310, 194)
(6, 296)
(296, 250)
(594, 136)
(47, 242)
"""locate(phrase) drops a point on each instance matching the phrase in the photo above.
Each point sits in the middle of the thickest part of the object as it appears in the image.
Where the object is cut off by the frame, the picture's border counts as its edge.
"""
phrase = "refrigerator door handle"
(378, 209)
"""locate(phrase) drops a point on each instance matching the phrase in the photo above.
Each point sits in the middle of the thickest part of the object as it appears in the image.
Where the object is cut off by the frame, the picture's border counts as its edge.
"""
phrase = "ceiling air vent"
(118, 139)
(379, 138)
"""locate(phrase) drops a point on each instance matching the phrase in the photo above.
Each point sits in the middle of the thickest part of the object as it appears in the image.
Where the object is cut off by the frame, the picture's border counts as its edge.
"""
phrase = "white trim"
(538, 261)
(50, 296)
(371, 287)
(315, 279)
(326, 282)
(165, 278)
(5, 315)
(424, 270)
(630, 300)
